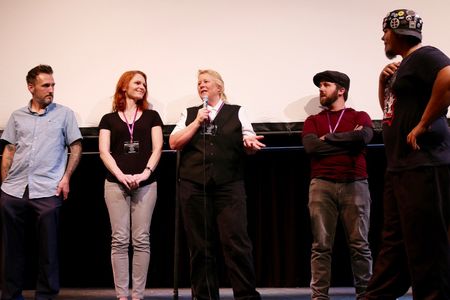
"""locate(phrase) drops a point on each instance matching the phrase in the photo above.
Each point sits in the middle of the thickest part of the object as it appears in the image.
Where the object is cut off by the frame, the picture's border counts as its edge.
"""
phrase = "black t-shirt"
(406, 96)
(131, 163)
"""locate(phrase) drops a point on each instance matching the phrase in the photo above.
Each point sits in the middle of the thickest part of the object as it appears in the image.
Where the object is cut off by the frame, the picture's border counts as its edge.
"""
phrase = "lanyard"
(337, 123)
(131, 127)
(217, 111)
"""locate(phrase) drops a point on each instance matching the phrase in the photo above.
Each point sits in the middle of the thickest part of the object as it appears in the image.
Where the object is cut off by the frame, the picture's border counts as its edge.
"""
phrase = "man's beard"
(390, 54)
(328, 101)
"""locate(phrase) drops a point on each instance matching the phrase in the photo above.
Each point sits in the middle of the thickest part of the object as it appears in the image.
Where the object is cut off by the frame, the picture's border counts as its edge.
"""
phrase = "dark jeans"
(14, 212)
(221, 208)
(415, 246)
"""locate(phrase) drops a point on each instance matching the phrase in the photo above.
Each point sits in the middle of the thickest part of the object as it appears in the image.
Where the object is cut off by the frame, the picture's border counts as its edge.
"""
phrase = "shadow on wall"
(308, 104)
(173, 109)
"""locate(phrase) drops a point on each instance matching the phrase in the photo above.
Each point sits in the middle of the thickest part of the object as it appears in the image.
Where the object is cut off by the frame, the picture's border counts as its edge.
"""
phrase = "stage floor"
(184, 294)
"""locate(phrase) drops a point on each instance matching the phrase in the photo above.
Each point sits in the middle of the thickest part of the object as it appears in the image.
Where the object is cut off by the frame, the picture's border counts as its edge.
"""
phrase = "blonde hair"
(218, 80)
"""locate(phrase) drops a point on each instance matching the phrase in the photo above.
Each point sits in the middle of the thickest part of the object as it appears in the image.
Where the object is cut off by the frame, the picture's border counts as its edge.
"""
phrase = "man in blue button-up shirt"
(35, 175)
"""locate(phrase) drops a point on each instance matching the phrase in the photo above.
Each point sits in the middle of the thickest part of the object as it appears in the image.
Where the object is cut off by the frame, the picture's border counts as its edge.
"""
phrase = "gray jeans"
(130, 211)
(350, 202)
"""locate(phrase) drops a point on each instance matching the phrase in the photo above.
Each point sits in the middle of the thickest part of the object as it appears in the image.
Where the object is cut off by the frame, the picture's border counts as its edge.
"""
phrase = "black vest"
(216, 158)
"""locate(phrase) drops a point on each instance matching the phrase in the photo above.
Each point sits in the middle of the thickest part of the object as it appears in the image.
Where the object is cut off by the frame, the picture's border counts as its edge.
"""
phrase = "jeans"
(130, 211)
(350, 202)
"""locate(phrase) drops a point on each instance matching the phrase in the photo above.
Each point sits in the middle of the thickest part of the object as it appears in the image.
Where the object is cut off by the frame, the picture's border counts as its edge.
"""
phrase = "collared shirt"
(41, 142)
(247, 128)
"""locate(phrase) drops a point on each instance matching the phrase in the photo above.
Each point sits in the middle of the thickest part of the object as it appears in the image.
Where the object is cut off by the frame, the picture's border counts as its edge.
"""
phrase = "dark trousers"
(14, 213)
(415, 243)
(218, 209)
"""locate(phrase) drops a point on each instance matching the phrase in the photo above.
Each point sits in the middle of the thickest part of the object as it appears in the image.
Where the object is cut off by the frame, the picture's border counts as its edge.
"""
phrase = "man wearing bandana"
(414, 95)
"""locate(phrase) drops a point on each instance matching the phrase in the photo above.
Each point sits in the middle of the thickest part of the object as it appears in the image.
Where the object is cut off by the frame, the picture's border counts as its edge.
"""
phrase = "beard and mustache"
(327, 101)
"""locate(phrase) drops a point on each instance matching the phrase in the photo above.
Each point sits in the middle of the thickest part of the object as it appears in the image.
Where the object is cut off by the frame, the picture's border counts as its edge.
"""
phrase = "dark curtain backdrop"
(277, 181)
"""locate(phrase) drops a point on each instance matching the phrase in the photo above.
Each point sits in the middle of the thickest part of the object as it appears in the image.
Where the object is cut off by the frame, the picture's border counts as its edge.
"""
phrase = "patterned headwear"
(404, 22)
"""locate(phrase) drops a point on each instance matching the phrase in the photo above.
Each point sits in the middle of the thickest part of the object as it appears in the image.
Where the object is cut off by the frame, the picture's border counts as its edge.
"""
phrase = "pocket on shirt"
(52, 129)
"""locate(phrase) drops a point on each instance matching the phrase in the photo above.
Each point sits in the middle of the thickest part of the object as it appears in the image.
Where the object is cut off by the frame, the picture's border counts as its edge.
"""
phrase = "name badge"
(131, 147)
(209, 129)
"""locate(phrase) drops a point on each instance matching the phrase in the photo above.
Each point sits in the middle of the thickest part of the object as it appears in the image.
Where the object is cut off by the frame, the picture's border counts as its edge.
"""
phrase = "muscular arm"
(74, 159)
(7, 159)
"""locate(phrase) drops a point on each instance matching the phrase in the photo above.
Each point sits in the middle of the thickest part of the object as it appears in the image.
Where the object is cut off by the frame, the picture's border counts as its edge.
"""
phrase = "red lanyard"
(131, 127)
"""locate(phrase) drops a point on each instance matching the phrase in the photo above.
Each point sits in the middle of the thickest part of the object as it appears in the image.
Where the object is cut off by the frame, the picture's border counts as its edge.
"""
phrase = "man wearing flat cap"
(336, 140)
(414, 95)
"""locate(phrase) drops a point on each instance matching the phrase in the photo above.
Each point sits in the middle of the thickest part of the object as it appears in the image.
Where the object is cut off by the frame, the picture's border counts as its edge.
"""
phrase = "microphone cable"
(205, 207)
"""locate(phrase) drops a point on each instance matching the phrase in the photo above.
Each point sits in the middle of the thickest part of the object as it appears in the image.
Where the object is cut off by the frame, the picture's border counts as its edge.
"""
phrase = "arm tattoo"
(7, 159)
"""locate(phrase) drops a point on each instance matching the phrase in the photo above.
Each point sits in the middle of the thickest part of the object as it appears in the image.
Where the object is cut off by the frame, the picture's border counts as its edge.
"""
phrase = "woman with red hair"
(130, 144)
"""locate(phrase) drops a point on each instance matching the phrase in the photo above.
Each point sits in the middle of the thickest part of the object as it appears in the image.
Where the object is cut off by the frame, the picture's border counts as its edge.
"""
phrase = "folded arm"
(316, 146)
(359, 137)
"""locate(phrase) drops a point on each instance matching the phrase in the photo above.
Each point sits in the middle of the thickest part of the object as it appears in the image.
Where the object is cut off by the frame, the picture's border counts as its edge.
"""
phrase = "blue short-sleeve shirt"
(41, 142)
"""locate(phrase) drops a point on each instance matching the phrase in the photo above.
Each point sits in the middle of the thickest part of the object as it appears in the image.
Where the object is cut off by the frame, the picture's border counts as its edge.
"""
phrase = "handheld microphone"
(205, 103)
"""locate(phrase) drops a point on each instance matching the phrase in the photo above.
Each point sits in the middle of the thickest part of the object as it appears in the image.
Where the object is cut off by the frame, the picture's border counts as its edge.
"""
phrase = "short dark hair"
(338, 86)
(33, 73)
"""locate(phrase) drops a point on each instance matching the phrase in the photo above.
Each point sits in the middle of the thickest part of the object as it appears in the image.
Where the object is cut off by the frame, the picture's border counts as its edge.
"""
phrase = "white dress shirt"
(247, 128)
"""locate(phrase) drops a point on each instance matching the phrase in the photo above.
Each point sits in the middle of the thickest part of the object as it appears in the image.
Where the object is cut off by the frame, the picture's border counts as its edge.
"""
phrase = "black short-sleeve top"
(131, 163)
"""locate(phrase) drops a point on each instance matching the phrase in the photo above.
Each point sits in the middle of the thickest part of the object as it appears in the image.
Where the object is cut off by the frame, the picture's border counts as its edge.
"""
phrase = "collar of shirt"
(213, 110)
(46, 109)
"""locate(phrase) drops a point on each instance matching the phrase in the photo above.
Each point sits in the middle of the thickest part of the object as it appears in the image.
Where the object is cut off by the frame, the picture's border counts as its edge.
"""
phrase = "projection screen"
(266, 51)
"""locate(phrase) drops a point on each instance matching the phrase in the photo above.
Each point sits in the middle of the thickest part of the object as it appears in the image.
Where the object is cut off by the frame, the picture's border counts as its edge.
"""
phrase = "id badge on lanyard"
(131, 146)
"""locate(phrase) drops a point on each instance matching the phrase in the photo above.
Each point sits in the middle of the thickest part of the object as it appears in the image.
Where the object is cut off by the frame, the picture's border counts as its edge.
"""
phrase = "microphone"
(205, 103)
